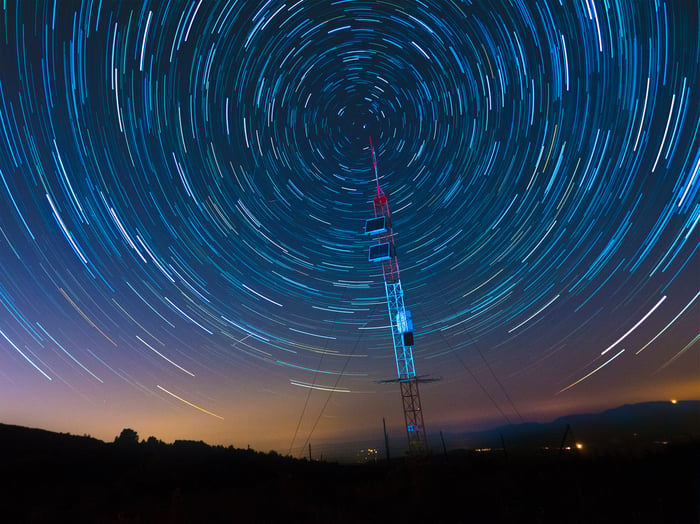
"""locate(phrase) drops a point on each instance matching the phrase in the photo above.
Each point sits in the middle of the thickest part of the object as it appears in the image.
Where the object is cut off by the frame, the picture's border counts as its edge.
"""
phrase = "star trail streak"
(184, 187)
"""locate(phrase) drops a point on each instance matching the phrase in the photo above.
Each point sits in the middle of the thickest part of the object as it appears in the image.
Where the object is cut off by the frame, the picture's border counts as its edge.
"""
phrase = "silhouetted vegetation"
(53, 477)
(128, 437)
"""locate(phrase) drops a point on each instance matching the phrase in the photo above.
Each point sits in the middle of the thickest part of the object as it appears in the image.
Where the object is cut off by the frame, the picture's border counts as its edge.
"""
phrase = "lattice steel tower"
(384, 251)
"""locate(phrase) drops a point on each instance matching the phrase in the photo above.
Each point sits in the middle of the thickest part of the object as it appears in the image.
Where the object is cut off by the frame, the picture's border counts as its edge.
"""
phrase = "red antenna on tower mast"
(374, 164)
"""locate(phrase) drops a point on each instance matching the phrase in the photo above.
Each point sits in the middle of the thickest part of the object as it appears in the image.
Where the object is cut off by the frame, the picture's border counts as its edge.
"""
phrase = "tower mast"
(384, 251)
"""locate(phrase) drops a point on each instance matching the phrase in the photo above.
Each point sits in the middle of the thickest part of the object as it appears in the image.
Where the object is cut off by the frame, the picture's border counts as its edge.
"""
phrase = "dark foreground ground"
(52, 477)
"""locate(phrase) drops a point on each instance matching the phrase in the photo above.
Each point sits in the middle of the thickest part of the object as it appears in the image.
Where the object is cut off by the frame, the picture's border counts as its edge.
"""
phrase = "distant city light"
(369, 454)
(674, 401)
(579, 445)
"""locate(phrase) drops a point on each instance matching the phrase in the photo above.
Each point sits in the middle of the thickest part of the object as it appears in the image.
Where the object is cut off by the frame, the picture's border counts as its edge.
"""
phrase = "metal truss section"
(413, 415)
(404, 353)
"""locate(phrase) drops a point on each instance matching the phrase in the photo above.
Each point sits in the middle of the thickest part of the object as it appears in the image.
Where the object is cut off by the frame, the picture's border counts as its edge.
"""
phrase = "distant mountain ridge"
(641, 424)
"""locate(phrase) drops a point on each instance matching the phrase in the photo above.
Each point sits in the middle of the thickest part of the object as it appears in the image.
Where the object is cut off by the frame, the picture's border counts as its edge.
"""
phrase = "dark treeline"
(52, 477)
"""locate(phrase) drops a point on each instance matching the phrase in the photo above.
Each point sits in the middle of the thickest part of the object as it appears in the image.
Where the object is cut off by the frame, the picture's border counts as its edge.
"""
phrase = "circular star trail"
(184, 185)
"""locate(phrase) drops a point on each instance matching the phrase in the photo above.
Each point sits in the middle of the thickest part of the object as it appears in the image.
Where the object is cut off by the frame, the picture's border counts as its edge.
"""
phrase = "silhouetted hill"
(632, 428)
(30, 439)
(51, 477)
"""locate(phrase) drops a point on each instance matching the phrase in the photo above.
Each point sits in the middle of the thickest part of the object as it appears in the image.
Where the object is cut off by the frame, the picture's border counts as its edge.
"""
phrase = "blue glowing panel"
(404, 323)
(374, 226)
(380, 252)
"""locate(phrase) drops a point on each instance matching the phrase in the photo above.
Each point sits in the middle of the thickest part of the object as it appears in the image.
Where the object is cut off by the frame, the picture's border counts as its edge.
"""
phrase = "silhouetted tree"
(127, 437)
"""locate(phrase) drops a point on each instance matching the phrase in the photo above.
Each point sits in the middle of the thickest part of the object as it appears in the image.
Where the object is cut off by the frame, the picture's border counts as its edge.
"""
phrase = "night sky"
(183, 190)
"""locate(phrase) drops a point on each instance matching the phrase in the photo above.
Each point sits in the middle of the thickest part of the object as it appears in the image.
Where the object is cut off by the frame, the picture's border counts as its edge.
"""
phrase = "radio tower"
(384, 251)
